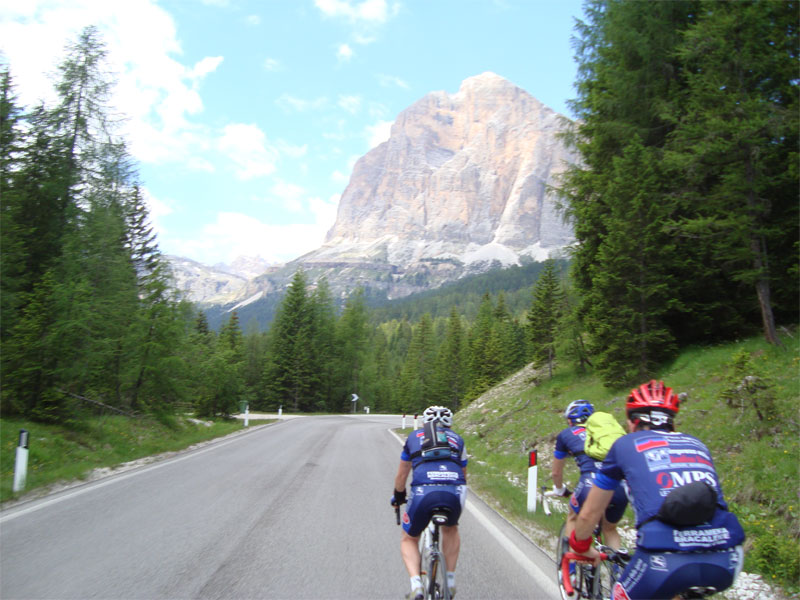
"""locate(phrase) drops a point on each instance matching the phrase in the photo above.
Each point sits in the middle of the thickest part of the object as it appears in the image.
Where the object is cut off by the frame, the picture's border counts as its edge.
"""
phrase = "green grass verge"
(58, 454)
(752, 436)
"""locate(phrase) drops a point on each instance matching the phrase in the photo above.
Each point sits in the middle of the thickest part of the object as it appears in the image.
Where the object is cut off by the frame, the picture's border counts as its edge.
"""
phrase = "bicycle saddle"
(440, 516)
(699, 591)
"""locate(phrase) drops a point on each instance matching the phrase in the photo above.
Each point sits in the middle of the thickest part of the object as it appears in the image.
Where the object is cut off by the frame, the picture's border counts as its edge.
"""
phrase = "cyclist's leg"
(451, 538)
(614, 512)
(415, 519)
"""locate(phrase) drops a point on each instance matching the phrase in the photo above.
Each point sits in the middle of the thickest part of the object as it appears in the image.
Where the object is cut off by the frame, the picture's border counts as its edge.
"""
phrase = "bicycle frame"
(433, 567)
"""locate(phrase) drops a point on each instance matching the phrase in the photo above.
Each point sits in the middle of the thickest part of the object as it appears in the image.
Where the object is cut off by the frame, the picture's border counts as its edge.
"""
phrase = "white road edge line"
(534, 570)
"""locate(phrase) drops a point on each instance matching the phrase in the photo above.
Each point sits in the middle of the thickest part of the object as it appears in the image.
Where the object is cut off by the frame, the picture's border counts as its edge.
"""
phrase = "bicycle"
(605, 575)
(433, 568)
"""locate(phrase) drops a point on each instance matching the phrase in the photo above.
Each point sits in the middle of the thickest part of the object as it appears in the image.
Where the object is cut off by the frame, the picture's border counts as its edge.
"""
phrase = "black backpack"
(434, 444)
(691, 504)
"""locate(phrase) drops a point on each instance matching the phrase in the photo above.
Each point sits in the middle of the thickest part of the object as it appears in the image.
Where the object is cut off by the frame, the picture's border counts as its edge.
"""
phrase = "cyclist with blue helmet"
(570, 442)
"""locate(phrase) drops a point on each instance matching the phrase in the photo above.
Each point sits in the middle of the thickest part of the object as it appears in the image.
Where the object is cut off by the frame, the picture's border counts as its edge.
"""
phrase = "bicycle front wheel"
(604, 581)
(562, 547)
(438, 589)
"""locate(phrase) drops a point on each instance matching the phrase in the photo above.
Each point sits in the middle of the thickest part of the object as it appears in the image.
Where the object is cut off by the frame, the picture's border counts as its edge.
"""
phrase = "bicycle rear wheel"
(425, 558)
(438, 589)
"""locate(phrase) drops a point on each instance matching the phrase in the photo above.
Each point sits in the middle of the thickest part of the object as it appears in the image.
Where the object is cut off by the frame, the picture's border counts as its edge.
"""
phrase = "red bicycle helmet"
(652, 395)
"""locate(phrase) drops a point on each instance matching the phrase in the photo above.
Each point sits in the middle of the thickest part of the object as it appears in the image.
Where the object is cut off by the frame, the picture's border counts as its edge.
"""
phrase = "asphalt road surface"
(298, 510)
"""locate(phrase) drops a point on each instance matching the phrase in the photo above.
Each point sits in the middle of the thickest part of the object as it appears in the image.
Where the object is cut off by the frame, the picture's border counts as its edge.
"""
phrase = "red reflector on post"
(532, 459)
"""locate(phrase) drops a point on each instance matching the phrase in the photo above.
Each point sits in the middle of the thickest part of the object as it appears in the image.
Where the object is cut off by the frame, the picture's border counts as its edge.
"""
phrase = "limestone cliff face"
(462, 178)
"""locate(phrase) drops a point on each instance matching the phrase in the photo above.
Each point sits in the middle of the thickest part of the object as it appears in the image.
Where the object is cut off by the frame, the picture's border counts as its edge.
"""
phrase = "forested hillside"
(684, 205)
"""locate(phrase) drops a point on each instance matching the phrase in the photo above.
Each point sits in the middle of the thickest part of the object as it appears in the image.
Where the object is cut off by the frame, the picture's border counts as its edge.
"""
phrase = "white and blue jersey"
(435, 483)
(446, 471)
(669, 559)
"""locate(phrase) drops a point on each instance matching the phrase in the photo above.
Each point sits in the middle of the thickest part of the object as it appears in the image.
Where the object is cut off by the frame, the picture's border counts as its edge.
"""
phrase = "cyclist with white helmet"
(439, 471)
(570, 442)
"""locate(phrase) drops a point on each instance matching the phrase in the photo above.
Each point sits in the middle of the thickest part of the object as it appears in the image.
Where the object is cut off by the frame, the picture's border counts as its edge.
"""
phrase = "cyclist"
(686, 540)
(435, 483)
(570, 442)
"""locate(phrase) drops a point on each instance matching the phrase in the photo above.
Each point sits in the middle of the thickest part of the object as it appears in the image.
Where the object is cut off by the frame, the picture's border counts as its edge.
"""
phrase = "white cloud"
(369, 11)
(344, 53)
(378, 133)
(290, 103)
(351, 104)
(391, 80)
(246, 145)
(292, 151)
(290, 195)
(253, 20)
(235, 234)
(340, 177)
(205, 66)
(272, 64)
(156, 92)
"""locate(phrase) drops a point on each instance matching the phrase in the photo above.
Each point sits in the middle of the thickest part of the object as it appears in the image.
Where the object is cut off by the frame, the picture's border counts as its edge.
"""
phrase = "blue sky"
(246, 116)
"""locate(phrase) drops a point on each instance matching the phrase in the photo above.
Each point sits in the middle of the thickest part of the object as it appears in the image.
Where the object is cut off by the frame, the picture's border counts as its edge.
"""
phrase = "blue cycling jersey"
(654, 463)
(439, 471)
(569, 442)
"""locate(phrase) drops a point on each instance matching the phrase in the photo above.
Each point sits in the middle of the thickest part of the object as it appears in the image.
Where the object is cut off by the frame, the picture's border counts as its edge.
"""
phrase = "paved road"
(297, 509)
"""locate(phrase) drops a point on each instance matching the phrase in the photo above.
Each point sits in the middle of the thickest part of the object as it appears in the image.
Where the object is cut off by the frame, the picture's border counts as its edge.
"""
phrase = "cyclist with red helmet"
(570, 442)
(438, 480)
(686, 535)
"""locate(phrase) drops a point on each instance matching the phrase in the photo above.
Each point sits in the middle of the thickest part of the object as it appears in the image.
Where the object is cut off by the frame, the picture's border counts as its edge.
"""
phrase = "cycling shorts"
(656, 575)
(615, 509)
(425, 498)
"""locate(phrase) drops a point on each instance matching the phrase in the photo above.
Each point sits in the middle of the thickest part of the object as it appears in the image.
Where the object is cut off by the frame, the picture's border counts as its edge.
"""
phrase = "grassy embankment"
(753, 437)
(59, 455)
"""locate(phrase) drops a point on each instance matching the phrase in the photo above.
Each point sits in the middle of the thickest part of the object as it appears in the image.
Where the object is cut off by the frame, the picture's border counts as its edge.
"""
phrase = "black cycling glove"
(399, 498)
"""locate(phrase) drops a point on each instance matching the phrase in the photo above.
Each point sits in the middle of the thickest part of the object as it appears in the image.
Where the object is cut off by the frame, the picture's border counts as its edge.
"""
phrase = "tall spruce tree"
(736, 143)
(543, 317)
(290, 371)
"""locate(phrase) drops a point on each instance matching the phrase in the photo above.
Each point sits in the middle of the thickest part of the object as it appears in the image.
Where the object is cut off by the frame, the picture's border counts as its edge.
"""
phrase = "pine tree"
(289, 373)
(416, 381)
(450, 375)
(737, 143)
(543, 316)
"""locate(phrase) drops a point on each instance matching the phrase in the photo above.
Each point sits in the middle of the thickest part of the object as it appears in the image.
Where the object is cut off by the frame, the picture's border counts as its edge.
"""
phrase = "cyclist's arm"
(403, 469)
(558, 472)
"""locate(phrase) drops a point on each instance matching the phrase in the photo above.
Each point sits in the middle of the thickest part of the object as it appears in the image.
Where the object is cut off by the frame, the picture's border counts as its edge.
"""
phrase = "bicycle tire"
(438, 589)
(424, 558)
(604, 580)
(562, 547)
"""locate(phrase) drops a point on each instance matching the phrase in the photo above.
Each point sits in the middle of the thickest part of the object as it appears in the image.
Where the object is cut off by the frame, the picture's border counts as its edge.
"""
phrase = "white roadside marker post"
(246, 414)
(532, 481)
(21, 464)
(404, 421)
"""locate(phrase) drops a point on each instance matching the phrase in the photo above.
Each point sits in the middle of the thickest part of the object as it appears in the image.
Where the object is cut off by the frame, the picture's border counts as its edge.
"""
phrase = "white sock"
(416, 582)
(451, 578)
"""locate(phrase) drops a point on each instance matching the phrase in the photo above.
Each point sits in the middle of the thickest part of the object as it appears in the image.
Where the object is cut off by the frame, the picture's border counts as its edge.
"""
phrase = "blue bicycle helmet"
(578, 411)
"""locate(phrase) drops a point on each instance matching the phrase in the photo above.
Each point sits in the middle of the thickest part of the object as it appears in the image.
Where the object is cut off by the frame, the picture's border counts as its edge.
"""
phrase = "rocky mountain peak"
(463, 177)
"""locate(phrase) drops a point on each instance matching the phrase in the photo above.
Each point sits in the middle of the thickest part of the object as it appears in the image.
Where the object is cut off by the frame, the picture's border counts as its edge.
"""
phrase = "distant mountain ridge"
(461, 186)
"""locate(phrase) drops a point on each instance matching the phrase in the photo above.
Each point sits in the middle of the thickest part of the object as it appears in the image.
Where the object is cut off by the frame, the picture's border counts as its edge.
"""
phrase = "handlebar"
(565, 559)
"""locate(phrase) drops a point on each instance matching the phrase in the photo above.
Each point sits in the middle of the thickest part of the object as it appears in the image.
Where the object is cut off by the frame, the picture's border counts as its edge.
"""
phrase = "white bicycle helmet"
(438, 413)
